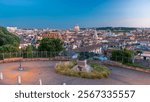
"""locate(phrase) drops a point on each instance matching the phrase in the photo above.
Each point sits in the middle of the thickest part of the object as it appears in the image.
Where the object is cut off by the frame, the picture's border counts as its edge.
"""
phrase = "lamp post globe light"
(20, 66)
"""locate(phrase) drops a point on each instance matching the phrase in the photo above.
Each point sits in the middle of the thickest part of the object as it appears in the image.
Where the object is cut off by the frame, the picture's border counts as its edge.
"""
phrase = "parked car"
(75, 56)
(100, 58)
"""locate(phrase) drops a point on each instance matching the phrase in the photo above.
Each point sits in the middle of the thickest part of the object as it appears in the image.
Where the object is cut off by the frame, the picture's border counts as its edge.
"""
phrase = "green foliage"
(124, 56)
(8, 48)
(8, 41)
(97, 73)
(99, 67)
(51, 45)
(28, 51)
(137, 66)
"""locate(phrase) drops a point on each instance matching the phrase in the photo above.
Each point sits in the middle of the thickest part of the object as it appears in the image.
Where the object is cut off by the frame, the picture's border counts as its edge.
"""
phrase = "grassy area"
(136, 65)
(98, 71)
(99, 68)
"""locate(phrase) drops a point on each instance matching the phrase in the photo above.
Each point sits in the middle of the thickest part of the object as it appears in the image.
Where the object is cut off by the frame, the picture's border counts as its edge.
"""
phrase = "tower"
(76, 28)
(95, 36)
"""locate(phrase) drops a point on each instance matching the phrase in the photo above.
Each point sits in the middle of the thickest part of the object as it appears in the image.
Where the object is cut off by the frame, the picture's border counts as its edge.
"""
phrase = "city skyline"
(66, 13)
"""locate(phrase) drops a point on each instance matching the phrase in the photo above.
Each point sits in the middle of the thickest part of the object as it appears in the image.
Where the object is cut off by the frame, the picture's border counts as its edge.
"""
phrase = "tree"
(124, 56)
(8, 48)
(51, 45)
(28, 51)
(8, 41)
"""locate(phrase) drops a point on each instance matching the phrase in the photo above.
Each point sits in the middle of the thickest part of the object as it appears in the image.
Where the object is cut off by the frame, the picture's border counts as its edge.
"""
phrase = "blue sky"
(68, 13)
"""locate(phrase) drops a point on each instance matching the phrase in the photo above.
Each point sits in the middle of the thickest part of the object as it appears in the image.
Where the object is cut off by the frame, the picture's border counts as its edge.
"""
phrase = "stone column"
(1, 76)
(40, 80)
(19, 80)
(85, 64)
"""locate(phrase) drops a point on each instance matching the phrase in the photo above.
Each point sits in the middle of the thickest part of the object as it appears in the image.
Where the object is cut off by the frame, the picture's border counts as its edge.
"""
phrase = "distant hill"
(119, 29)
(8, 41)
(114, 29)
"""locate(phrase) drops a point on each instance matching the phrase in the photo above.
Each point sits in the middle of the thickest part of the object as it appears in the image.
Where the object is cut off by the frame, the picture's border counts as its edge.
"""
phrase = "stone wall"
(8, 60)
(117, 64)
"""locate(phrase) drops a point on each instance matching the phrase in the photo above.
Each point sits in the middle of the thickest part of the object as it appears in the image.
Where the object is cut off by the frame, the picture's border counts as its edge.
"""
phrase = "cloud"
(132, 22)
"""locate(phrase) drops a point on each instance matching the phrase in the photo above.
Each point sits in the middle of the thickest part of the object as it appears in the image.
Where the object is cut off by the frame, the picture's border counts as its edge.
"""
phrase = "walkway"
(45, 70)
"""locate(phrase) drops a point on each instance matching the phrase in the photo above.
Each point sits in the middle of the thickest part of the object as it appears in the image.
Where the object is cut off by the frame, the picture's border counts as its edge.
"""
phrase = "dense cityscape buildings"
(95, 40)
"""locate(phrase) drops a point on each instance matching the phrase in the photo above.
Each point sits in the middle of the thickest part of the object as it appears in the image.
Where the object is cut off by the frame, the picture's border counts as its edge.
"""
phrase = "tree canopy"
(51, 45)
(8, 41)
(124, 55)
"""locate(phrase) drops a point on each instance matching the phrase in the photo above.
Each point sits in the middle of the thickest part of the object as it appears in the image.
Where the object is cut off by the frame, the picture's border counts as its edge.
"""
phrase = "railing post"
(46, 54)
(133, 58)
(3, 56)
(149, 62)
(36, 54)
(16, 54)
(32, 54)
(27, 54)
(10, 55)
(50, 54)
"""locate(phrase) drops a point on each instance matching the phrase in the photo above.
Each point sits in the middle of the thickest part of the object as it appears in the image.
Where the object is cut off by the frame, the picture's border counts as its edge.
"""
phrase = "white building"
(95, 36)
(12, 29)
(76, 28)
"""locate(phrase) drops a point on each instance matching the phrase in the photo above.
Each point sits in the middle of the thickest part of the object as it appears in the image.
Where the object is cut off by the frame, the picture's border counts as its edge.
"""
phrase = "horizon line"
(74, 26)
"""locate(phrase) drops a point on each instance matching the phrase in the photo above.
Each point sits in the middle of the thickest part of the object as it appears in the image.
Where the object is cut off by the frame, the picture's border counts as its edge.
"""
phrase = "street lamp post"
(20, 67)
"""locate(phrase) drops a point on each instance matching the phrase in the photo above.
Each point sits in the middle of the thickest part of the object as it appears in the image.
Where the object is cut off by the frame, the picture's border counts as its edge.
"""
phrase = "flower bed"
(98, 72)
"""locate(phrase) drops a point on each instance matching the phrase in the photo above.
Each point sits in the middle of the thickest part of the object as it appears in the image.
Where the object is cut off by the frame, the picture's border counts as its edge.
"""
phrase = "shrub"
(136, 65)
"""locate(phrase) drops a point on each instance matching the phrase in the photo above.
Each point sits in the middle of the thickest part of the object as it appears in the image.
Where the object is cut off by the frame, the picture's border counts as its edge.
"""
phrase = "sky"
(68, 13)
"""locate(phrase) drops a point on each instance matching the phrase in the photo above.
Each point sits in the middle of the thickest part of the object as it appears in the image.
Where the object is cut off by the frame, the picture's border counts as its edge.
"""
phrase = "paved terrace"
(34, 70)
